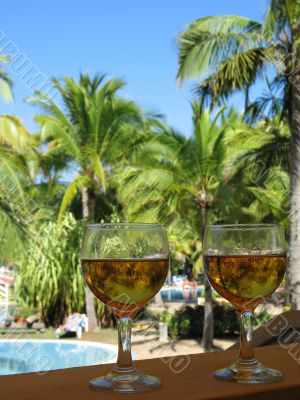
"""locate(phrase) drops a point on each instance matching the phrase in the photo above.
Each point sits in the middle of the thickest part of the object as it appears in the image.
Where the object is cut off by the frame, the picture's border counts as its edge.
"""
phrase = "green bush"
(188, 321)
(49, 279)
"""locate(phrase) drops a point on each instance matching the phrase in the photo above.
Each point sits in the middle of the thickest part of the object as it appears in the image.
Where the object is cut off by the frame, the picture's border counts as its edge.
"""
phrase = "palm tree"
(181, 182)
(18, 165)
(5, 81)
(229, 54)
(90, 132)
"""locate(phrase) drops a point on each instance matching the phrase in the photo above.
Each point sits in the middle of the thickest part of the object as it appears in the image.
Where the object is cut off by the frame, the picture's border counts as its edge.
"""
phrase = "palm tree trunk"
(247, 98)
(208, 323)
(88, 212)
(85, 203)
(294, 250)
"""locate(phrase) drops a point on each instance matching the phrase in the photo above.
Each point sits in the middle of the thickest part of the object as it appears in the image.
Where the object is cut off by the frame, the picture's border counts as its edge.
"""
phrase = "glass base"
(256, 374)
(130, 381)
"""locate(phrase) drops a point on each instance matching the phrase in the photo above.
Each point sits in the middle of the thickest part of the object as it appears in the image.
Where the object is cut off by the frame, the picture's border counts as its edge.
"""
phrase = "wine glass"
(125, 265)
(245, 264)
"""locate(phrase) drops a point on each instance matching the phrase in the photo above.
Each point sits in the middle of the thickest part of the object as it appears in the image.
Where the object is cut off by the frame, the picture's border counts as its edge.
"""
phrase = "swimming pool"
(32, 355)
(181, 295)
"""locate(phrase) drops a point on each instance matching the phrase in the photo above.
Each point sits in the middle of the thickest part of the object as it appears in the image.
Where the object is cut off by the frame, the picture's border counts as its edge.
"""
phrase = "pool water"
(28, 355)
(181, 295)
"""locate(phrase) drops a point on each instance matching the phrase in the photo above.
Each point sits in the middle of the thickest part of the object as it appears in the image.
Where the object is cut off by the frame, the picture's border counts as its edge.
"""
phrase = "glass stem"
(124, 362)
(246, 360)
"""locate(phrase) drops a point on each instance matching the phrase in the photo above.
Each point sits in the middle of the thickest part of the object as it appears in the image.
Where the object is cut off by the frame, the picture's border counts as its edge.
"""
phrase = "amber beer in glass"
(125, 284)
(245, 264)
(125, 265)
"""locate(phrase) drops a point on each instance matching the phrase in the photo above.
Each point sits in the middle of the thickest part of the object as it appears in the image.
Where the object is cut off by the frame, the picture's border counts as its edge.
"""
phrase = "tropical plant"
(49, 279)
(181, 182)
(187, 322)
(5, 81)
(18, 166)
(229, 54)
(90, 133)
(261, 158)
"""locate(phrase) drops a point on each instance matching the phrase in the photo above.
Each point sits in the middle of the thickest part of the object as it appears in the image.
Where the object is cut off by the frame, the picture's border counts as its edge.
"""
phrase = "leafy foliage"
(18, 168)
(90, 131)
(172, 179)
(230, 53)
(5, 81)
(187, 322)
(49, 279)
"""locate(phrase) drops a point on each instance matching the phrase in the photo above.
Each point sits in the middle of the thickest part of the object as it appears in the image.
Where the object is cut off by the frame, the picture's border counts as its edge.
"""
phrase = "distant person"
(73, 327)
(185, 284)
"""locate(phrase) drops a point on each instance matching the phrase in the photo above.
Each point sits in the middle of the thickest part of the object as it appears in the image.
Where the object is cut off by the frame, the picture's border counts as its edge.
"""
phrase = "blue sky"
(131, 39)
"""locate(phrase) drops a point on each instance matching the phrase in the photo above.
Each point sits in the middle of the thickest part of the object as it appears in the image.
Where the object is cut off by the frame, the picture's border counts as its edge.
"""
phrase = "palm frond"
(51, 129)
(51, 108)
(276, 17)
(5, 87)
(99, 170)
(212, 40)
(234, 74)
(78, 183)
(14, 134)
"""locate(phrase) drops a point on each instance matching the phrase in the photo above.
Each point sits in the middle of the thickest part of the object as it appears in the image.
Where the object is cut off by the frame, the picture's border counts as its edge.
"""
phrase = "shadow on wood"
(282, 329)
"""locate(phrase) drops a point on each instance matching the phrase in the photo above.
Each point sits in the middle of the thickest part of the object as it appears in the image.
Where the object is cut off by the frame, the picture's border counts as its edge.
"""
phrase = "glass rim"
(243, 227)
(119, 226)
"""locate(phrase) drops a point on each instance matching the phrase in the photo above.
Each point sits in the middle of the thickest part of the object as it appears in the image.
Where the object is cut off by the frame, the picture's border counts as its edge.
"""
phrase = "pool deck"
(146, 346)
